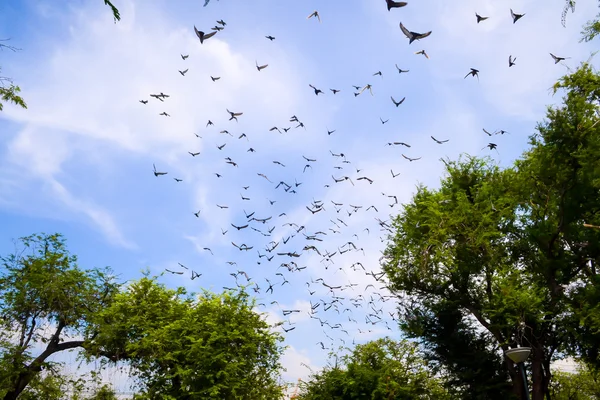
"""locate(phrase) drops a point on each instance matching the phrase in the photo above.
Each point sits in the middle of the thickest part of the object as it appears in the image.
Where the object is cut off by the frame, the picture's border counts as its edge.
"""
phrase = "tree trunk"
(537, 374)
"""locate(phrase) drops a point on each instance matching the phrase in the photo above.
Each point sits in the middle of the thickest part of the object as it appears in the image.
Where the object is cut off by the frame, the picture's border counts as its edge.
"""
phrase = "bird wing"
(424, 35)
(405, 31)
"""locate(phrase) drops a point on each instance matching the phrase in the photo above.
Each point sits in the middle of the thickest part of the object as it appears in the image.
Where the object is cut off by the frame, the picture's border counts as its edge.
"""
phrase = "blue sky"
(79, 159)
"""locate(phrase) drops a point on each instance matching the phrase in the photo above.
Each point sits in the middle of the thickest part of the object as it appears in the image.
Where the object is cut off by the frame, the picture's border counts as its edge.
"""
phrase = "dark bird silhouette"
(260, 67)
(474, 72)
(401, 70)
(412, 36)
(209, 123)
(511, 61)
(395, 4)
(156, 173)
(397, 103)
(271, 38)
(314, 14)
(515, 17)
(558, 59)
(234, 115)
(240, 227)
(215, 78)
(394, 175)
(398, 144)
(411, 159)
(317, 91)
(203, 36)
(178, 180)
(197, 214)
(334, 91)
(165, 114)
(480, 18)
(439, 141)
(382, 121)
(221, 22)
(144, 101)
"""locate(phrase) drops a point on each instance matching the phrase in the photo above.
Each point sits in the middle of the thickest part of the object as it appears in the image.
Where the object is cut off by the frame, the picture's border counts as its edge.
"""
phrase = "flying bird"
(401, 70)
(511, 61)
(515, 17)
(203, 36)
(259, 67)
(411, 159)
(314, 14)
(156, 173)
(558, 59)
(395, 4)
(480, 18)
(184, 57)
(234, 115)
(422, 52)
(439, 141)
(271, 38)
(183, 72)
(474, 72)
(412, 36)
(397, 103)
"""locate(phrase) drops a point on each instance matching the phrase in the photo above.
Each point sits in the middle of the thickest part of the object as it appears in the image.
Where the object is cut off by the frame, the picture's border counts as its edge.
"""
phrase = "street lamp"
(519, 355)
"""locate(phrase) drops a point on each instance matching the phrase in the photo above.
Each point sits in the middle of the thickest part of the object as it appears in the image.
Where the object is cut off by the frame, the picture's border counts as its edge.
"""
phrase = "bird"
(401, 70)
(156, 173)
(394, 175)
(184, 57)
(422, 52)
(382, 121)
(558, 59)
(314, 14)
(317, 91)
(334, 91)
(395, 4)
(215, 78)
(234, 115)
(203, 36)
(411, 159)
(165, 114)
(183, 72)
(480, 18)
(144, 101)
(511, 61)
(259, 67)
(193, 154)
(474, 72)
(515, 17)
(439, 141)
(221, 22)
(412, 36)
(271, 38)
(397, 103)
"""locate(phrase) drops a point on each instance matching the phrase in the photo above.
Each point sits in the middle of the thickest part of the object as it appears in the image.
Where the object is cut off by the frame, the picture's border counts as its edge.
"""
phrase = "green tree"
(503, 253)
(584, 384)
(378, 370)
(45, 300)
(115, 11)
(8, 91)
(190, 347)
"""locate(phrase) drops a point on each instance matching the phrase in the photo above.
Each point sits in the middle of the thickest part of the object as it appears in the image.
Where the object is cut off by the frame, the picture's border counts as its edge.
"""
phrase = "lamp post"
(519, 355)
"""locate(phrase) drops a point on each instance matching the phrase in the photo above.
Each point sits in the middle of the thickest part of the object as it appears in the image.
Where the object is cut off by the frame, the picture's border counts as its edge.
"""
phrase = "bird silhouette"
(515, 17)
(480, 18)
(395, 4)
(412, 36)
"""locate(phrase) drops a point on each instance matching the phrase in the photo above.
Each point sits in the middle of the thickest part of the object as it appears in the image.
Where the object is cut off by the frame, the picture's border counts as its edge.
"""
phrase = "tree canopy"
(178, 345)
(497, 258)
(378, 370)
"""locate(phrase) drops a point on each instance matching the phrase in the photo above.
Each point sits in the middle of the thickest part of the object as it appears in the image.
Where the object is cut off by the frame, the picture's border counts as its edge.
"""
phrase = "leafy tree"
(378, 370)
(503, 254)
(590, 30)
(186, 347)
(45, 300)
(584, 384)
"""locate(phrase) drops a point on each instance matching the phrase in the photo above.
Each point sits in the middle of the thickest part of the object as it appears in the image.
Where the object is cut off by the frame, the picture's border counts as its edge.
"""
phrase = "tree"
(503, 254)
(584, 384)
(45, 300)
(182, 346)
(590, 30)
(115, 11)
(377, 370)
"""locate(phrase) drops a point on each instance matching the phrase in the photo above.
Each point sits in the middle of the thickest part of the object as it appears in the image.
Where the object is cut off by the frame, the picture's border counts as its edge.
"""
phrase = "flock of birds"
(281, 246)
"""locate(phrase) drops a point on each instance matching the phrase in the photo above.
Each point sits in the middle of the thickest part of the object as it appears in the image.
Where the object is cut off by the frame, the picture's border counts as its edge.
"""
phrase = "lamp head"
(519, 354)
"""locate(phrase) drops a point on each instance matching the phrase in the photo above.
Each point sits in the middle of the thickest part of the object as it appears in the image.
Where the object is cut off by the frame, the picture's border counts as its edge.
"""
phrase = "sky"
(79, 160)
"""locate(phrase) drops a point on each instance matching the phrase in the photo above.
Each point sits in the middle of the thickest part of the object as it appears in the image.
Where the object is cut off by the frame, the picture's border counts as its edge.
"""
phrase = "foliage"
(377, 370)
(8, 91)
(45, 300)
(115, 11)
(590, 30)
(584, 384)
(504, 252)
(181, 347)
